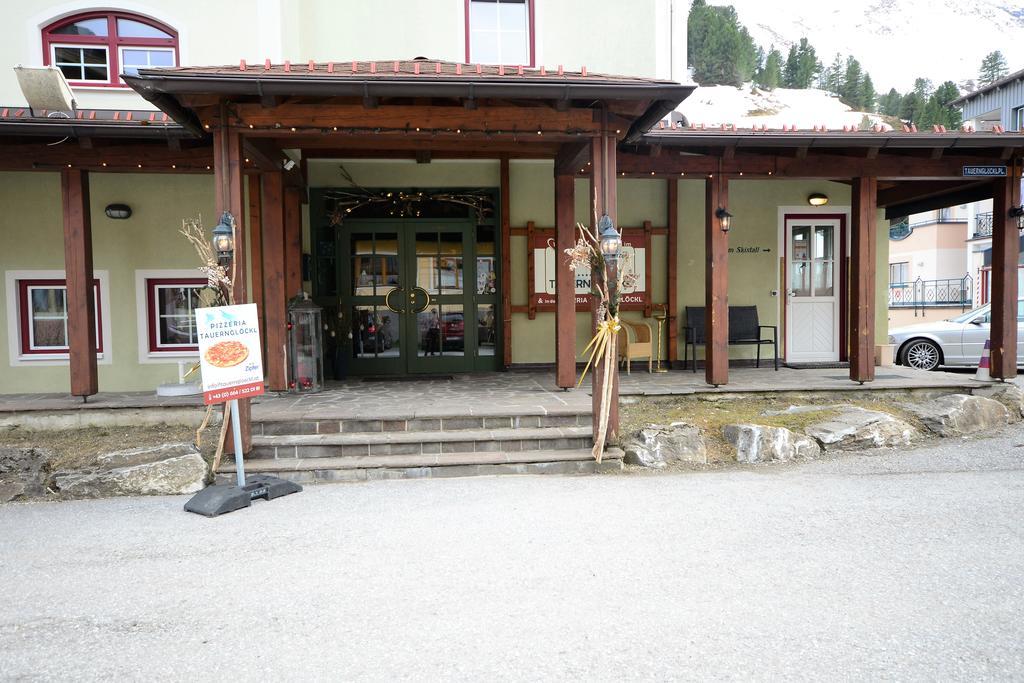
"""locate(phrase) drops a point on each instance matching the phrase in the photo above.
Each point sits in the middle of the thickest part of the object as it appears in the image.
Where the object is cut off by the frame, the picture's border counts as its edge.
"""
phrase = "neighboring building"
(927, 276)
(427, 192)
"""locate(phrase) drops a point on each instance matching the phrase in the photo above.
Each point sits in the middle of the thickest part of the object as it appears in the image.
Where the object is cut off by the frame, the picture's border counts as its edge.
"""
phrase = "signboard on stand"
(546, 262)
(229, 352)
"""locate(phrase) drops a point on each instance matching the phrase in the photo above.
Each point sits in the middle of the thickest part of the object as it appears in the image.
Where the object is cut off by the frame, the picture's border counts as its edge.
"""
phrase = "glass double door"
(422, 295)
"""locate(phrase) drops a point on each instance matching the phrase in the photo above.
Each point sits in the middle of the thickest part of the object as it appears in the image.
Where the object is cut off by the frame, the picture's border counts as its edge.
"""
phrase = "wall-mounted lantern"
(118, 212)
(611, 241)
(817, 199)
(724, 218)
(224, 237)
(1018, 213)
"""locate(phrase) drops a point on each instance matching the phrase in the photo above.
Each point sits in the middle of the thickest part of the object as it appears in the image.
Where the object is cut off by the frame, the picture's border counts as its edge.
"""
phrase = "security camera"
(288, 164)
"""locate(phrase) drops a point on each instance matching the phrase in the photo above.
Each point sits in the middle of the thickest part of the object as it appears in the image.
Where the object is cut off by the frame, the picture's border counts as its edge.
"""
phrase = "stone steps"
(474, 463)
(429, 423)
(507, 440)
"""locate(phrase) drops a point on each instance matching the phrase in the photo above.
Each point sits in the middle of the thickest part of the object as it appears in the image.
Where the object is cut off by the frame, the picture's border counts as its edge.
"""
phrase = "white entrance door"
(812, 297)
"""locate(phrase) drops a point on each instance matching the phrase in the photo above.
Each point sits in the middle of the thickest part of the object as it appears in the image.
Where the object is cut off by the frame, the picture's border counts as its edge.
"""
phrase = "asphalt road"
(890, 566)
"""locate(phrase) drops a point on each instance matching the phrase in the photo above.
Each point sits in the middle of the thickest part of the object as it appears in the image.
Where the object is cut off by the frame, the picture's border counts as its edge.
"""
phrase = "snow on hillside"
(896, 40)
(749, 106)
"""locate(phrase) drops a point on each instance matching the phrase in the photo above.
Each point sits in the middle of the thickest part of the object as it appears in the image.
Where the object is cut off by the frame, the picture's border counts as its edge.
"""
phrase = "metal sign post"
(232, 367)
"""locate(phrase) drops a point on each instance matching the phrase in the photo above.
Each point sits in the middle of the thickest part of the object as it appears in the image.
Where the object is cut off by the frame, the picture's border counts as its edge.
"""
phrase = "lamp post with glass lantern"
(610, 244)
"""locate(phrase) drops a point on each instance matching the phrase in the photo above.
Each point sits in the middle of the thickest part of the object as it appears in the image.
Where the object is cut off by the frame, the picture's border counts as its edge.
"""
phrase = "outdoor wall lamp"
(817, 199)
(224, 237)
(724, 217)
(118, 211)
(611, 241)
(1018, 213)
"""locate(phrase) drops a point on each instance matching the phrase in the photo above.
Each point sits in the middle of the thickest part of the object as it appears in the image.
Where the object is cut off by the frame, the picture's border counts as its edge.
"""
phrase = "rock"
(758, 443)
(23, 472)
(659, 445)
(1009, 394)
(855, 428)
(959, 414)
(166, 470)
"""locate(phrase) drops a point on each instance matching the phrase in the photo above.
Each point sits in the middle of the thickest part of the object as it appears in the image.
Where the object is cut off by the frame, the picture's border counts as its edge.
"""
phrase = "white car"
(958, 341)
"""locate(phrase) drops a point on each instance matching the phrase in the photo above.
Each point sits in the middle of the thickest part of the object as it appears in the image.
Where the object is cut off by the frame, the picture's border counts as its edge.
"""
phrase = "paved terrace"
(510, 393)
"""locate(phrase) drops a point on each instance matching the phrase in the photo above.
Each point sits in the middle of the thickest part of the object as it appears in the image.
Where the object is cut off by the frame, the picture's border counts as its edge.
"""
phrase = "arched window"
(94, 48)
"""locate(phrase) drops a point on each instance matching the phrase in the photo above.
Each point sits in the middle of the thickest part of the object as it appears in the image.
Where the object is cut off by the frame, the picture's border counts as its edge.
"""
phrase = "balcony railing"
(983, 225)
(921, 294)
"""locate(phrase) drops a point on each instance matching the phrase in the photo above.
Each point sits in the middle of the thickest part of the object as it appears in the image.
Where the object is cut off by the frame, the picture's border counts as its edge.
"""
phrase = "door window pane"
(441, 329)
(485, 330)
(823, 242)
(374, 333)
(800, 278)
(823, 278)
(486, 271)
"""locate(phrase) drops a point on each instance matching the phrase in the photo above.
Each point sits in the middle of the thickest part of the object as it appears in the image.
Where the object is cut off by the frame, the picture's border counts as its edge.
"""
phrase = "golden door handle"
(426, 298)
(387, 300)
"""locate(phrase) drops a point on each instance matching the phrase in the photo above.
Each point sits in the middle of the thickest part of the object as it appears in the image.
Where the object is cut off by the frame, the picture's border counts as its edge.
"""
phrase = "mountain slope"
(895, 40)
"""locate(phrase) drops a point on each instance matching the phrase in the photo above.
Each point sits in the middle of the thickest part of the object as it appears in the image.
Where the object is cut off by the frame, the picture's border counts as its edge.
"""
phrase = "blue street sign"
(985, 171)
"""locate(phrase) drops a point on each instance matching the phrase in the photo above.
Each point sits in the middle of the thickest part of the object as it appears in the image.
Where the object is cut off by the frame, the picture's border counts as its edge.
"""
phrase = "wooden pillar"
(672, 258)
(292, 240)
(603, 201)
(1005, 257)
(256, 248)
(275, 293)
(505, 273)
(229, 163)
(716, 283)
(863, 238)
(80, 296)
(565, 281)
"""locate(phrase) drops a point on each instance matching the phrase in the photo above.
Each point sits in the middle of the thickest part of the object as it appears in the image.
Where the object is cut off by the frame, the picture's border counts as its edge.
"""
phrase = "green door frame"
(411, 343)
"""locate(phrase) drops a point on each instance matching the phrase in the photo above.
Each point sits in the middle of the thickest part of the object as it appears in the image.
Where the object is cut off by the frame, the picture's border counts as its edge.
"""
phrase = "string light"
(104, 163)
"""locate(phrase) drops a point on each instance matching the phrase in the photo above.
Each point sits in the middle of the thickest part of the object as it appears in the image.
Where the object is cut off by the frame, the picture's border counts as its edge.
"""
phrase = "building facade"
(421, 187)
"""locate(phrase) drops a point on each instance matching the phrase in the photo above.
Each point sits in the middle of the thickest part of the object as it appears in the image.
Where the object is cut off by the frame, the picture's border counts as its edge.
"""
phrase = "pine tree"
(993, 67)
(923, 87)
(889, 104)
(719, 48)
(911, 107)
(832, 77)
(802, 66)
(771, 73)
(946, 114)
(850, 88)
(867, 94)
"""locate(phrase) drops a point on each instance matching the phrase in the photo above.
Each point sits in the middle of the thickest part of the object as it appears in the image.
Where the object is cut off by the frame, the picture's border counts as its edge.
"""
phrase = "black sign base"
(219, 499)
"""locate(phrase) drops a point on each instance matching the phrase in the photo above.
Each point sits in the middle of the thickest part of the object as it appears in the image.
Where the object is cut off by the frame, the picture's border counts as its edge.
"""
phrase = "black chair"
(744, 328)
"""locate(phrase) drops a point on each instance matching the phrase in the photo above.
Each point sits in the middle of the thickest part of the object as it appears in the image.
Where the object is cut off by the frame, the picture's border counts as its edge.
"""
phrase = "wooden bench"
(744, 328)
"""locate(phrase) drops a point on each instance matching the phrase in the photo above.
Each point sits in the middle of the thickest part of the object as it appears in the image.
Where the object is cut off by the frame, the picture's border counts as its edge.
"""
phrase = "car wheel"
(922, 354)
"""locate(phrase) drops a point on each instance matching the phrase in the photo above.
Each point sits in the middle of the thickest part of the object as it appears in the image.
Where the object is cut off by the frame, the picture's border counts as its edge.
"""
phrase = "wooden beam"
(915, 190)
(228, 169)
(80, 295)
(275, 295)
(130, 158)
(256, 249)
(293, 240)
(1005, 258)
(264, 153)
(966, 193)
(603, 180)
(572, 158)
(565, 281)
(525, 120)
(716, 283)
(672, 256)
(815, 165)
(505, 200)
(863, 239)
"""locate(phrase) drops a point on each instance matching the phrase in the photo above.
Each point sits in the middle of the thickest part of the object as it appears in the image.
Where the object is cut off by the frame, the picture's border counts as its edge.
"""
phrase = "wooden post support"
(505, 273)
(80, 294)
(673, 258)
(256, 247)
(603, 201)
(228, 168)
(716, 283)
(1005, 257)
(565, 281)
(863, 239)
(293, 240)
(275, 294)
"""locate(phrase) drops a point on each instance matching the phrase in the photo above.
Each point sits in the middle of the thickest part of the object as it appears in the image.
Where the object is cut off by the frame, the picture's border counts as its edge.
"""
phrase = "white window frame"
(17, 358)
(170, 355)
(82, 46)
(147, 48)
(498, 33)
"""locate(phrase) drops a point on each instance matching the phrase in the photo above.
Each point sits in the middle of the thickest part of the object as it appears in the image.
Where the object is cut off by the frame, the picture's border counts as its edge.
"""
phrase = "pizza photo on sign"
(226, 354)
